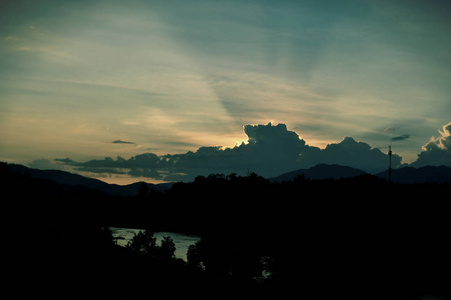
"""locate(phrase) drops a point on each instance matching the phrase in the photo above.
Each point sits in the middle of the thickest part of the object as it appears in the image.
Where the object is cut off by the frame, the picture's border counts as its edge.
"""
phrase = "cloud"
(269, 151)
(66, 161)
(356, 154)
(400, 138)
(275, 137)
(437, 151)
(122, 142)
(42, 164)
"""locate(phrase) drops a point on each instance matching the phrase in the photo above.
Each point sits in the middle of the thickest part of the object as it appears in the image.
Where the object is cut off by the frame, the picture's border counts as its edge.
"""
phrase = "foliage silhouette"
(167, 248)
(359, 237)
(145, 243)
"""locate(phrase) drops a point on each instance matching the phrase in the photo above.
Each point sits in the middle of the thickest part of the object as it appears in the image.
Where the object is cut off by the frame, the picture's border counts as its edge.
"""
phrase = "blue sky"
(168, 77)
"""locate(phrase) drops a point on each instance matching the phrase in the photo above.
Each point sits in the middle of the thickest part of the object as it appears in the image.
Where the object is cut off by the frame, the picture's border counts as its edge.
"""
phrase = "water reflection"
(181, 241)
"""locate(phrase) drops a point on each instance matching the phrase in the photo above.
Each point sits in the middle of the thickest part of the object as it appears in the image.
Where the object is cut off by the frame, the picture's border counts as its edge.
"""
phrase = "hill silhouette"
(411, 175)
(405, 175)
(76, 181)
(321, 171)
(353, 238)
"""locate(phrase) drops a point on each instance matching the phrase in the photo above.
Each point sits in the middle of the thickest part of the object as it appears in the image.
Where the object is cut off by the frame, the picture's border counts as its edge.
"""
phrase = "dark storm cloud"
(270, 150)
(437, 151)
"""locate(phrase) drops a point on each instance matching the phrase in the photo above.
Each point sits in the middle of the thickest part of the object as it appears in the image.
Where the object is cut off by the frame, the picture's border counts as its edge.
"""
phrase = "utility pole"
(389, 163)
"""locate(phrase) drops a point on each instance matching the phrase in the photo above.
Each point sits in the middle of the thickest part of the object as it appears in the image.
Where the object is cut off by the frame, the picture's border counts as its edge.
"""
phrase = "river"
(181, 241)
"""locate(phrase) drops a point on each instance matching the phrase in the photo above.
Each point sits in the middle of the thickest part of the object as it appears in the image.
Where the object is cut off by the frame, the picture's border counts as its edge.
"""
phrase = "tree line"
(359, 237)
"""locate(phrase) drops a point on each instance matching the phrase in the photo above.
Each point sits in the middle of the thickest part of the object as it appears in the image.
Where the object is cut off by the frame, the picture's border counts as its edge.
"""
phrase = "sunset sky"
(81, 81)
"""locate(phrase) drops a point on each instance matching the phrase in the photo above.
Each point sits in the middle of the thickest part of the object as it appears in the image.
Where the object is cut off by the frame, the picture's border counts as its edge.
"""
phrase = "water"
(181, 241)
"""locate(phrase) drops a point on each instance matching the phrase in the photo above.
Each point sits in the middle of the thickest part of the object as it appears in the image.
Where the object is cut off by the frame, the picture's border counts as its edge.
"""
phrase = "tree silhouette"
(143, 243)
(167, 248)
(193, 257)
(228, 256)
(355, 236)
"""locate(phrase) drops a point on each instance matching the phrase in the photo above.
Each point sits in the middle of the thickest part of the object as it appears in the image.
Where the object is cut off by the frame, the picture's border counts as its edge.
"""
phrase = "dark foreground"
(360, 238)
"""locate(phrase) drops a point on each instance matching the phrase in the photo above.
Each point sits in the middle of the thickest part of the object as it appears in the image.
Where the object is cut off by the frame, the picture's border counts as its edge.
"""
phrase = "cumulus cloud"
(437, 151)
(269, 151)
(352, 153)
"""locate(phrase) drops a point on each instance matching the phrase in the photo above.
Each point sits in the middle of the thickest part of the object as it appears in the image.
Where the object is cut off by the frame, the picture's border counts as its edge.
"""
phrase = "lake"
(181, 241)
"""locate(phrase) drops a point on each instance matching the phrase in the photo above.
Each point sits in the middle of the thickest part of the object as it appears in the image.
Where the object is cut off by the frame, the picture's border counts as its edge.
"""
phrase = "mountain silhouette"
(411, 175)
(321, 171)
(406, 175)
(75, 181)
(387, 241)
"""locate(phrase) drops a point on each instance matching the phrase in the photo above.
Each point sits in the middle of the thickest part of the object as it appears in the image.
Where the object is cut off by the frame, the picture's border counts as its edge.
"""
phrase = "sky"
(164, 90)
